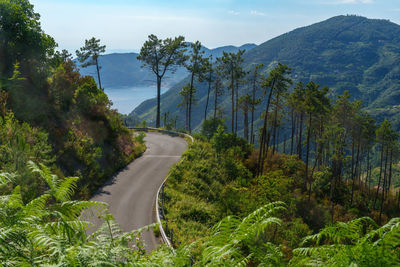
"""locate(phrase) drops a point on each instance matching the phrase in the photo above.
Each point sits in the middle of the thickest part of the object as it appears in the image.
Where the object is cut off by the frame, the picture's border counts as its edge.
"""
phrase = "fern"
(6, 178)
(352, 244)
(231, 235)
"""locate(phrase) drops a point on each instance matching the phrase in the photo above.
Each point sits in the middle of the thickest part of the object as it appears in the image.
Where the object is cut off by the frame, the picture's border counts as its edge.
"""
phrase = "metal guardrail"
(162, 130)
(158, 208)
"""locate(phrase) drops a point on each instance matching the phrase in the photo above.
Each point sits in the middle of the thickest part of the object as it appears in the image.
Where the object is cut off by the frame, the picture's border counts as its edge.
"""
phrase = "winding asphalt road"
(131, 194)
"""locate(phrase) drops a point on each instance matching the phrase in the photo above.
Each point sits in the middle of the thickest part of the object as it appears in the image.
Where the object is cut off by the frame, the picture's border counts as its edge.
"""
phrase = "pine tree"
(161, 56)
(89, 55)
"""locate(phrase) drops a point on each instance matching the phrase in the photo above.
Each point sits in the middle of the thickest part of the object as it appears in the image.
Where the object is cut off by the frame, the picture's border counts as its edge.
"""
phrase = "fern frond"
(378, 234)
(15, 199)
(6, 178)
(341, 233)
(244, 262)
(37, 205)
(389, 234)
(11, 238)
(65, 189)
(73, 209)
(45, 173)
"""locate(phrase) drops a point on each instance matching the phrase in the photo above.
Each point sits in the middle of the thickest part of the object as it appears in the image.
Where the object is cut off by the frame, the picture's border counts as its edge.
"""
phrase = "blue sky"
(123, 25)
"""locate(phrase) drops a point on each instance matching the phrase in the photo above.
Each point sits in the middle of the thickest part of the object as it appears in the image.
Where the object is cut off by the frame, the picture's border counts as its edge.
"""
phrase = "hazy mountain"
(345, 52)
(123, 69)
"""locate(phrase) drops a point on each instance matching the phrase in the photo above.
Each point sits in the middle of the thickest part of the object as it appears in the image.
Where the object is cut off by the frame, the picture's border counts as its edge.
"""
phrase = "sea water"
(126, 99)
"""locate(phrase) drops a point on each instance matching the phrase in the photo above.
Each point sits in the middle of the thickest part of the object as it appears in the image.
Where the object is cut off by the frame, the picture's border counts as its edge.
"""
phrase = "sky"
(124, 25)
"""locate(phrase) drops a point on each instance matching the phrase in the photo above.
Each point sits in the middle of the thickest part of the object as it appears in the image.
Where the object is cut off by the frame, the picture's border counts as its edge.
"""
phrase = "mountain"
(345, 53)
(124, 70)
(218, 52)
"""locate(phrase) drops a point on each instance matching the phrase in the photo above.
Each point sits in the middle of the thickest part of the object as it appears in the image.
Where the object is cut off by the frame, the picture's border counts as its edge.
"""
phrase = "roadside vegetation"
(316, 184)
(47, 231)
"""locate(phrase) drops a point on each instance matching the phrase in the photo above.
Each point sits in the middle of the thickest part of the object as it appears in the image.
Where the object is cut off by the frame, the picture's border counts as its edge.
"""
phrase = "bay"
(126, 99)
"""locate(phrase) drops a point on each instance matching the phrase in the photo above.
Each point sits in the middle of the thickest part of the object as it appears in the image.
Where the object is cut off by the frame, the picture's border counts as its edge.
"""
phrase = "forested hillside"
(124, 69)
(52, 114)
(345, 53)
(217, 202)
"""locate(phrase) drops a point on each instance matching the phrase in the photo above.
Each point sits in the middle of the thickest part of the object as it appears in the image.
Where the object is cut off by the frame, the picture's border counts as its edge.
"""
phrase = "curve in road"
(132, 192)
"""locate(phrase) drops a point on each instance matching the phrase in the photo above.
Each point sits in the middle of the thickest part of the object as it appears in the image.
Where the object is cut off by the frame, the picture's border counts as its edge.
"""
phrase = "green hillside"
(345, 53)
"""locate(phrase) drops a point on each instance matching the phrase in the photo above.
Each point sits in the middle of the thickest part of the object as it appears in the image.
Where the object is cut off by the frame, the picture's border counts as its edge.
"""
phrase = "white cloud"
(232, 12)
(257, 13)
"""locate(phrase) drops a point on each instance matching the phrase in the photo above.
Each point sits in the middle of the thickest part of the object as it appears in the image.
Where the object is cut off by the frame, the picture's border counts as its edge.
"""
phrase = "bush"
(209, 127)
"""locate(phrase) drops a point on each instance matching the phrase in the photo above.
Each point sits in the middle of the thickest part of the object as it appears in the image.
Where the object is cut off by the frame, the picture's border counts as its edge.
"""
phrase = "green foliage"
(161, 56)
(210, 127)
(90, 53)
(50, 231)
(222, 141)
(92, 101)
(46, 91)
(234, 242)
(194, 195)
(356, 243)
(19, 143)
(22, 38)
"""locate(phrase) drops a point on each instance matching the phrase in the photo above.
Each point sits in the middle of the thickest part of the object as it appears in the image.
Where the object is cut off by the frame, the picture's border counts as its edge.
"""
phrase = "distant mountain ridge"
(345, 52)
(124, 70)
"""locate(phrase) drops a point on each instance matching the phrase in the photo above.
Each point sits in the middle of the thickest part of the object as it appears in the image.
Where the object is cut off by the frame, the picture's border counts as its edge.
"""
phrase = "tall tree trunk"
(384, 185)
(332, 189)
(208, 97)
(355, 171)
(390, 173)
(275, 125)
(312, 171)
(352, 159)
(233, 103)
(260, 152)
(216, 100)
(380, 176)
(299, 145)
(187, 113)
(267, 144)
(277, 139)
(190, 102)
(263, 135)
(292, 131)
(158, 115)
(246, 123)
(307, 150)
(368, 178)
(284, 144)
(253, 99)
(98, 73)
(237, 106)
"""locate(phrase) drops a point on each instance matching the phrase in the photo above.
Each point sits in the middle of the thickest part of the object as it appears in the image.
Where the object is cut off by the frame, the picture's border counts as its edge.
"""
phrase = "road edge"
(162, 232)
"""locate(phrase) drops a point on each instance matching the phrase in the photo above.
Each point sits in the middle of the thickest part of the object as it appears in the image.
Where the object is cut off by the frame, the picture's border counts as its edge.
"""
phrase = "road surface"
(131, 194)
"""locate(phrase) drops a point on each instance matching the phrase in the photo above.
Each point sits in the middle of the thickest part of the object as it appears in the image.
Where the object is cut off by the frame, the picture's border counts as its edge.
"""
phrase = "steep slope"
(50, 113)
(123, 69)
(345, 52)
